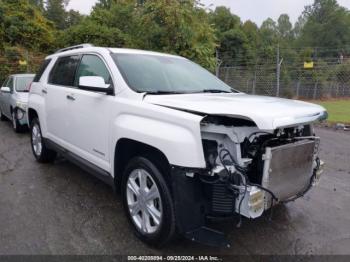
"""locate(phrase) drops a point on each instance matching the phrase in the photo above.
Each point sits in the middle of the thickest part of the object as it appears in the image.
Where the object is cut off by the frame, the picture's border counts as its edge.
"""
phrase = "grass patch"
(338, 110)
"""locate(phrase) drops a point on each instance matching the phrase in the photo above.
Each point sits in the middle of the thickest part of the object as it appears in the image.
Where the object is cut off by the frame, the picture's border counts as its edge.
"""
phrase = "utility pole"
(218, 64)
(278, 71)
(255, 76)
(27, 60)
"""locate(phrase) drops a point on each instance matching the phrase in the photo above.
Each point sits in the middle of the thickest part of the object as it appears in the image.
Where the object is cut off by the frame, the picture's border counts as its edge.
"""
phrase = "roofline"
(88, 47)
(73, 48)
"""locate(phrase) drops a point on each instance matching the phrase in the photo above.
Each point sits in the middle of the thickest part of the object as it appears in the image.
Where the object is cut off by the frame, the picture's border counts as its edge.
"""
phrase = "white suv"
(181, 145)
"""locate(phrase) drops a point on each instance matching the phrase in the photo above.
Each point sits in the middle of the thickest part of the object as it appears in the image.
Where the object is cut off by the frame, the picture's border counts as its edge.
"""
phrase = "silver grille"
(288, 169)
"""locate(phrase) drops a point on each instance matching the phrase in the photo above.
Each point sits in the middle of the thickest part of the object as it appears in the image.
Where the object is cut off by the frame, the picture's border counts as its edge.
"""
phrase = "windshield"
(163, 74)
(22, 83)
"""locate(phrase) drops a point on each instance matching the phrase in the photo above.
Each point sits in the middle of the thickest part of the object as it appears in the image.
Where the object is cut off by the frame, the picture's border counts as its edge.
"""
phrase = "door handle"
(70, 97)
(44, 91)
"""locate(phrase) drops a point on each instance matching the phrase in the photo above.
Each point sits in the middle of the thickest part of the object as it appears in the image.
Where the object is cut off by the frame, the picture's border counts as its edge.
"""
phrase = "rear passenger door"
(60, 82)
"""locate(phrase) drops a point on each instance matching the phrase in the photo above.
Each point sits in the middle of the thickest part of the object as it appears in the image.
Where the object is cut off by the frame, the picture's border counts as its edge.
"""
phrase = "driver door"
(2, 96)
(6, 98)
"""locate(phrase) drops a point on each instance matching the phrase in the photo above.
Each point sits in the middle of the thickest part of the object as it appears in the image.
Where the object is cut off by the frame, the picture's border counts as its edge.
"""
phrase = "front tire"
(15, 123)
(148, 203)
(41, 153)
(2, 116)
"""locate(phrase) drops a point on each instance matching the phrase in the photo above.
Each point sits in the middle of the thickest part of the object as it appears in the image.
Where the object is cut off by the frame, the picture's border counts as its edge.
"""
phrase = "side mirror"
(5, 89)
(94, 83)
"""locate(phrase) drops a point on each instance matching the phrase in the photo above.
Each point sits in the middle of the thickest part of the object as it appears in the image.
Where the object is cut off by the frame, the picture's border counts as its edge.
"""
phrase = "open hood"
(268, 113)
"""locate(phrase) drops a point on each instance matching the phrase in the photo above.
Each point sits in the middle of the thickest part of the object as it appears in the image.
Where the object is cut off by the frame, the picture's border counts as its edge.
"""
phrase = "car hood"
(268, 113)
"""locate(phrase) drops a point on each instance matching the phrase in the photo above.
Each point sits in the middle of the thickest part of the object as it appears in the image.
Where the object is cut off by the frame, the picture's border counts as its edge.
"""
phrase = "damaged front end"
(248, 172)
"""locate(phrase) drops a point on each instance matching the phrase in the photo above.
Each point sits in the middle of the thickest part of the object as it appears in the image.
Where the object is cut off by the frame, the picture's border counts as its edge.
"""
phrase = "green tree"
(269, 38)
(223, 20)
(106, 4)
(88, 31)
(23, 25)
(73, 18)
(56, 12)
(178, 27)
(168, 26)
(38, 3)
(235, 46)
(327, 25)
(285, 27)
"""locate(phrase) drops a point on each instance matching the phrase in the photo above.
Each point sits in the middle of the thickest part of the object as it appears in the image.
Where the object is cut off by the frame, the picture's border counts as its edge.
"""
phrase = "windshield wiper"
(163, 93)
(189, 92)
(215, 91)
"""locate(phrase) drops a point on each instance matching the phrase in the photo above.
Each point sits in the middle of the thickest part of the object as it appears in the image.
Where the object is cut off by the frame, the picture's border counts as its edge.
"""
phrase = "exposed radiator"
(288, 169)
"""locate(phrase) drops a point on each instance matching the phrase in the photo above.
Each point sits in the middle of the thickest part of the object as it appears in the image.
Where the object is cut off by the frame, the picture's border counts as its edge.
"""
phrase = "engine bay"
(250, 170)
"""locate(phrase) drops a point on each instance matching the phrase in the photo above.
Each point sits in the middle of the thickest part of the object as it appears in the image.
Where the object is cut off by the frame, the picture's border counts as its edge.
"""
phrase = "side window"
(92, 65)
(63, 72)
(41, 70)
(5, 82)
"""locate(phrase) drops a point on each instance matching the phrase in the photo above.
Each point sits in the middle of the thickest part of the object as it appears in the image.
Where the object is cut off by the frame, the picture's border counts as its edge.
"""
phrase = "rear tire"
(40, 151)
(148, 203)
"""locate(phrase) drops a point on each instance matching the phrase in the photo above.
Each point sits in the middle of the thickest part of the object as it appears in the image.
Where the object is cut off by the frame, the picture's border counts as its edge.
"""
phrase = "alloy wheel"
(144, 201)
(37, 140)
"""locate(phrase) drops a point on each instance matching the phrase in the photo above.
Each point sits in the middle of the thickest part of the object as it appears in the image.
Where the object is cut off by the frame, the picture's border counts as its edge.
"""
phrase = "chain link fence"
(324, 78)
(327, 78)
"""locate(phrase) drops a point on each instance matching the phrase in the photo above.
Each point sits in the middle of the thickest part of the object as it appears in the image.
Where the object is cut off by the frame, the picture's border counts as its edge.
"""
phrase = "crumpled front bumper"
(196, 201)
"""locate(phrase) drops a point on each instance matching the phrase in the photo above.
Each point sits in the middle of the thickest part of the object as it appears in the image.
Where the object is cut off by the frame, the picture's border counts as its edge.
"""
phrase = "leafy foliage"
(180, 27)
(21, 24)
(168, 26)
(325, 24)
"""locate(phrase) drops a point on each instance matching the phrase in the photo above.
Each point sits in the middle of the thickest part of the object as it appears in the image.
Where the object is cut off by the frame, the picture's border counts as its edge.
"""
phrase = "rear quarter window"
(41, 70)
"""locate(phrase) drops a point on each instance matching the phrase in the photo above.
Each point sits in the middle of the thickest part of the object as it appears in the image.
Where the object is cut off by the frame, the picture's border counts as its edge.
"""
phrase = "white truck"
(179, 144)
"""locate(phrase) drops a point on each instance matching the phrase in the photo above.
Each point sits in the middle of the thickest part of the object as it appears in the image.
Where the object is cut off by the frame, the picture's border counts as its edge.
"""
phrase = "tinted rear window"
(63, 72)
(41, 70)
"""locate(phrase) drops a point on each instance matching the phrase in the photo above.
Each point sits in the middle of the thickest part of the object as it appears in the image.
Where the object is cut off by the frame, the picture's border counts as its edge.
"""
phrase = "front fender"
(37, 104)
(178, 139)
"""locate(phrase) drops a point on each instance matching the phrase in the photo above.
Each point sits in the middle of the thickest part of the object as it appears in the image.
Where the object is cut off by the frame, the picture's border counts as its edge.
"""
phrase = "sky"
(255, 10)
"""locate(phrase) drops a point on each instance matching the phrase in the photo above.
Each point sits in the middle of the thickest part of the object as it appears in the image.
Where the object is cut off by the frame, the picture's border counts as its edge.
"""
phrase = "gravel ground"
(59, 209)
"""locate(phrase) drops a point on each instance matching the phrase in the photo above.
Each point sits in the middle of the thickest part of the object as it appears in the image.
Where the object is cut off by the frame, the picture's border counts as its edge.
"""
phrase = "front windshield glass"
(22, 83)
(164, 74)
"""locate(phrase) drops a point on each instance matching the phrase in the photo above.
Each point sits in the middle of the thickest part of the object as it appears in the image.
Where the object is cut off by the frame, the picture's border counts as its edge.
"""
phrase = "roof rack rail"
(73, 48)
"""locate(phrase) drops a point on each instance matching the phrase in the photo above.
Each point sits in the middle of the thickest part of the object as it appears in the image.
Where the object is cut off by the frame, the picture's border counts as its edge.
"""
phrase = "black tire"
(44, 155)
(17, 127)
(166, 230)
(2, 116)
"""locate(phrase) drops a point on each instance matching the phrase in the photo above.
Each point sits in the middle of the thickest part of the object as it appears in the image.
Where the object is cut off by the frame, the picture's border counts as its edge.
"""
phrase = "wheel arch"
(126, 149)
(32, 113)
